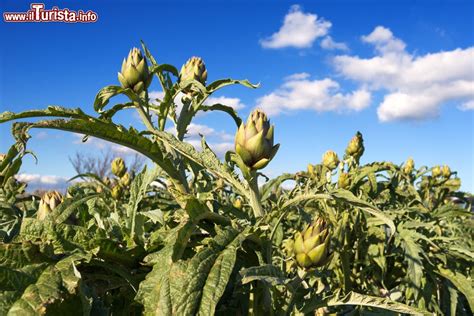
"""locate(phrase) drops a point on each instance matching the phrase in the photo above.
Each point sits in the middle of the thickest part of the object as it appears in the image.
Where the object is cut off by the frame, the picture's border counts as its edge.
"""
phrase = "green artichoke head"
(134, 73)
(118, 167)
(48, 203)
(344, 181)
(409, 166)
(446, 171)
(117, 192)
(254, 141)
(330, 160)
(193, 69)
(436, 171)
(126, 179)
(355, 148)
(311, 247)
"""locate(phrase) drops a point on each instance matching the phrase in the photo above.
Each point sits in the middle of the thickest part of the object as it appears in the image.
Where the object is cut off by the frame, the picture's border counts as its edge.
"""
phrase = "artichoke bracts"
(254, 141)
(193, 69)
(311, 247)
(118, 167)
(355, 148)
(48, 203)
(134, 73)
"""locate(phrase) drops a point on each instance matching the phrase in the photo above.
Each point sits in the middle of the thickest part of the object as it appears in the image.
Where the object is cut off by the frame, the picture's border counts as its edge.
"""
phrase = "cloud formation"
(329, 44)
(416, 86)
(299, 92)
(299, 30)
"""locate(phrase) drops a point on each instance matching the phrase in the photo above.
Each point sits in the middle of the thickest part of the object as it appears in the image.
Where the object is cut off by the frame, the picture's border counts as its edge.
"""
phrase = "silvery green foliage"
(175, 242)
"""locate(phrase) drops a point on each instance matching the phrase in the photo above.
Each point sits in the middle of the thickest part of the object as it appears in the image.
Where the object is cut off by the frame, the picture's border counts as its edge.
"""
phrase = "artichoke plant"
(311, 247)
(254, 141)
(126, 179)
(118, 167)
(193, 69)
(48, 203)
(135, 74)
(330, 160)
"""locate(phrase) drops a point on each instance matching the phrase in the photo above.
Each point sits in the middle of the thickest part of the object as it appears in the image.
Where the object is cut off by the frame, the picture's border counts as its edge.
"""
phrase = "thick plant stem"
(255, 195)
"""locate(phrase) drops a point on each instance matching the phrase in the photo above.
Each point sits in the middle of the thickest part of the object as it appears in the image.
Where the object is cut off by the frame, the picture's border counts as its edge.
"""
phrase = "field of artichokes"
(192, 234)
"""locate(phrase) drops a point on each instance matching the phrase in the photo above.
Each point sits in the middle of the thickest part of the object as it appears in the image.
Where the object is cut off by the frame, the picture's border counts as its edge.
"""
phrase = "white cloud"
(329, 44)
(469, 105)
(318, 95)
(298, 76)
(417, 86)
(234, 103)
(44, 182)
(299, 30)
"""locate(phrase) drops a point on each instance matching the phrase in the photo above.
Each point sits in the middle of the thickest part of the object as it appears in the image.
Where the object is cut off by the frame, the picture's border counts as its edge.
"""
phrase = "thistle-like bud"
(330, 160)
(48, 203)
(436, 171)
(193, 69)
(107, 181)
(446, 171)
(254, 141)
(409, 166)
(126, 179)
(311, 247)
(117, 192)
(237, 203)
(344, 181)
(453, 184)
(134, 73)
(118, 167)
(355, 148)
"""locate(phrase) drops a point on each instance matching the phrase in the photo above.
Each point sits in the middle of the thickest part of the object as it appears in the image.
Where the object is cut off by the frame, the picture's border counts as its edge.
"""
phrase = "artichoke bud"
(344, 181)
(409, 166)
(134, 73)
(193, 69)
(446, 171)
(2, 157)
(254, 141)
(330, 160)
(311, 247)
(117, 192)
(118, 167)
(107, 181)
(355, 148)
(237, 203)
(126, 179)
(48, 203)
(436, 171)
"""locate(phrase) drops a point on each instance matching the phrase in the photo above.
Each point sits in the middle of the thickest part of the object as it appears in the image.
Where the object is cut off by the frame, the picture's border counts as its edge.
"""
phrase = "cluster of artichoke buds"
(48, 203)
(409, 166)
(330, 160)
(355, 148)
(124, 180)
(254, 141)
(311, 247)
(193, 69)
(134, 73)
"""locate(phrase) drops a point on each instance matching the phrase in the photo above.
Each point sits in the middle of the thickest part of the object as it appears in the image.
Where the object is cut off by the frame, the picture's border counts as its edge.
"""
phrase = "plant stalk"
(255, 195)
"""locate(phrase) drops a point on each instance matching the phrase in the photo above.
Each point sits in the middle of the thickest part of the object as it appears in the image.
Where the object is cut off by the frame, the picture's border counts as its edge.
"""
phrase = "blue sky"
(401, 72)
